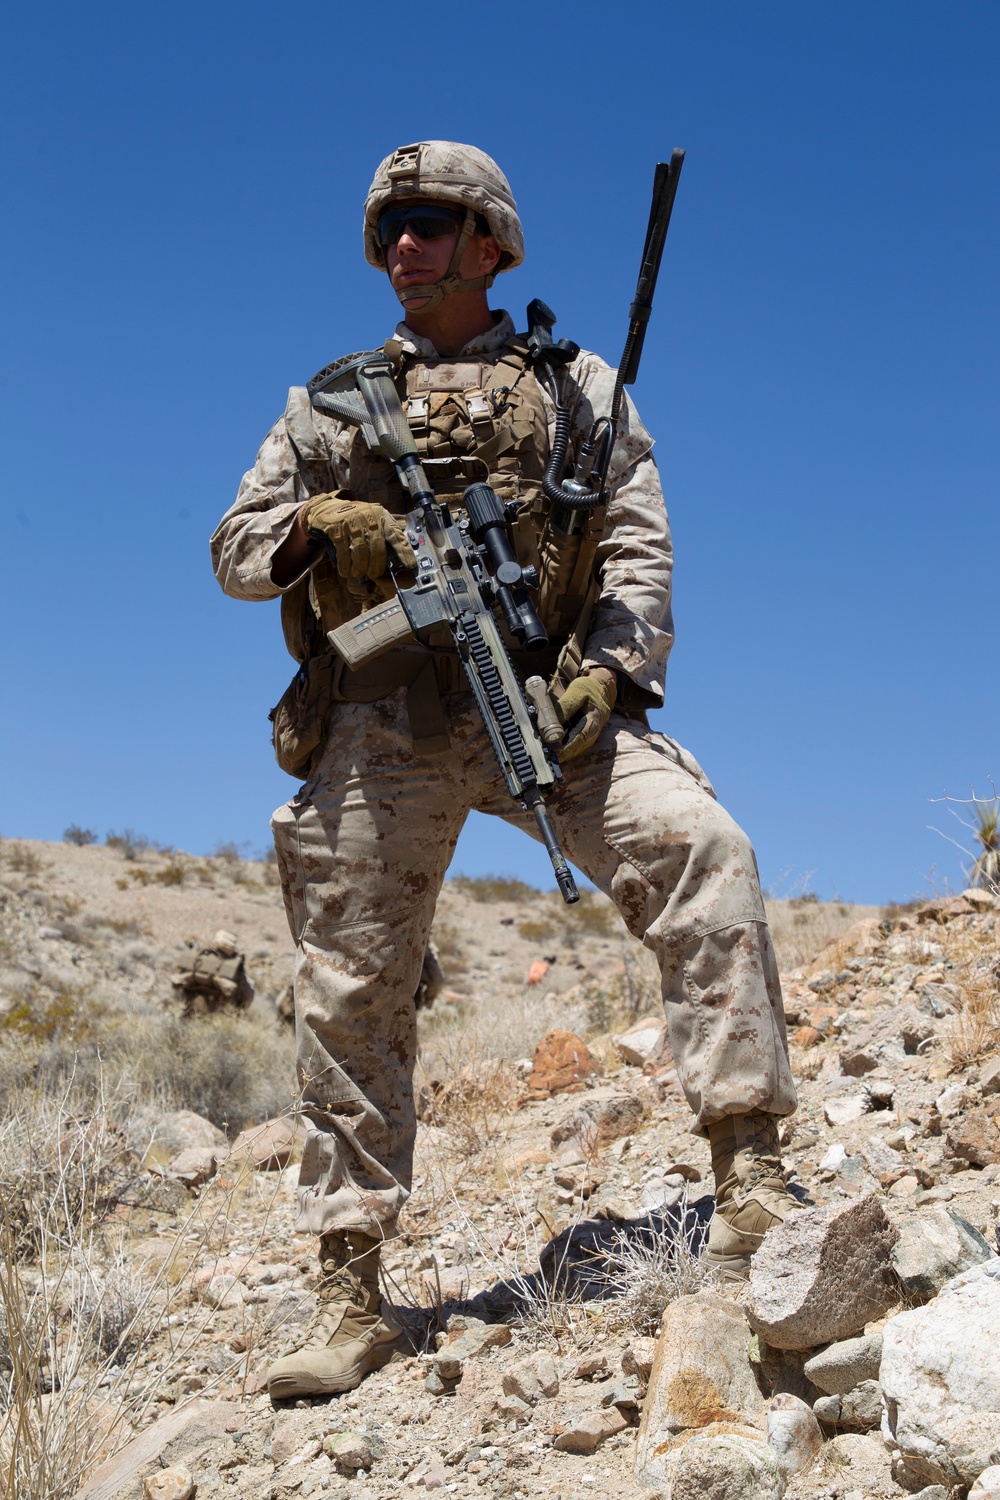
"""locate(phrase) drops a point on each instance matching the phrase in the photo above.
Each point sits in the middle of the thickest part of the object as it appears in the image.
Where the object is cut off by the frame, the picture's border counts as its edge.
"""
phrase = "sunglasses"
(425, 220)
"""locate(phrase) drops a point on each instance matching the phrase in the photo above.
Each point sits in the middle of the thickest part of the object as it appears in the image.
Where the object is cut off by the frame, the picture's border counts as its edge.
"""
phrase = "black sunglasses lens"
(425, 223)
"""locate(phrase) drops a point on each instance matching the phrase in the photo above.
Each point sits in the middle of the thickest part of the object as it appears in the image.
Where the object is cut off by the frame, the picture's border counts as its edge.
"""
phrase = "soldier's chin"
(414, 304)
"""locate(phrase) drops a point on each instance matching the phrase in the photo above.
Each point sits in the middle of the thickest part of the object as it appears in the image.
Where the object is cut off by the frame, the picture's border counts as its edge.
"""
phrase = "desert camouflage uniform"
(364, 845)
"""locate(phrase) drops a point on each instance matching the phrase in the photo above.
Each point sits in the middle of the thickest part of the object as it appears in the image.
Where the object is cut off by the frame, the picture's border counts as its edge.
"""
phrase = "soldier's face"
(413, 261)
(420, 261)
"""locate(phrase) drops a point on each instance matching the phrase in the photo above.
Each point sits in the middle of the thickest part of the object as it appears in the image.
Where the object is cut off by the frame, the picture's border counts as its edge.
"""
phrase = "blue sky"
(182, 190)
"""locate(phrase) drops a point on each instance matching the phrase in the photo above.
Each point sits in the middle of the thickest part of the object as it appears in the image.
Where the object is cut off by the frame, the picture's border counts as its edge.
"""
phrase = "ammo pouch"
(298, 722)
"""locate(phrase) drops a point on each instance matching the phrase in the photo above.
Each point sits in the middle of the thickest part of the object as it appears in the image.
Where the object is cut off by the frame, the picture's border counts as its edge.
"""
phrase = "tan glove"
(359, 532)
(585, 707)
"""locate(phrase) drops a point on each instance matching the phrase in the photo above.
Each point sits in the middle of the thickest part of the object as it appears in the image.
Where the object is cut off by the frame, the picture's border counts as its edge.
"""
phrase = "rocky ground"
(558, 1205)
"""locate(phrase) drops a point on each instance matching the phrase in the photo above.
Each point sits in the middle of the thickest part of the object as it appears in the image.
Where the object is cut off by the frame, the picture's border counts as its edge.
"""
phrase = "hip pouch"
(298, 722)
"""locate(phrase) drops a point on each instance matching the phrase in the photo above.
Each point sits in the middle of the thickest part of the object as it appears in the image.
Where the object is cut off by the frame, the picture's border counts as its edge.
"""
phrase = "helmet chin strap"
(451, 281)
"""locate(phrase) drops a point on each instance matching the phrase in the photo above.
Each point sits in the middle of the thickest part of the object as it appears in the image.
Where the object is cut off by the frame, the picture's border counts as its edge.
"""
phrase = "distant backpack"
(214, 979)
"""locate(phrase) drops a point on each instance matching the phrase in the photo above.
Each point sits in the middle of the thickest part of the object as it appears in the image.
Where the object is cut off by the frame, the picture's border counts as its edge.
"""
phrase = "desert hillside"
(149, 1270)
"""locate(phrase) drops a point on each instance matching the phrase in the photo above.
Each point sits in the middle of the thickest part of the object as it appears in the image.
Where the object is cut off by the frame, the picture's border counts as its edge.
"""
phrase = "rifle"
(466, 569)
(588, 489)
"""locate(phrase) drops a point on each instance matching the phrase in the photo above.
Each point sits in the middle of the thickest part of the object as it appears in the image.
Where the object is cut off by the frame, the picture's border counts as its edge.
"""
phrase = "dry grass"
(648, 1271)
(234, 1071)
(800, 928)
(975, 1031)
(88, 1342)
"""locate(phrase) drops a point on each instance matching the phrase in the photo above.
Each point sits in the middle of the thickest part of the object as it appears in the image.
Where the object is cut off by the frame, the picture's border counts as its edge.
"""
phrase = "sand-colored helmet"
(446, 172)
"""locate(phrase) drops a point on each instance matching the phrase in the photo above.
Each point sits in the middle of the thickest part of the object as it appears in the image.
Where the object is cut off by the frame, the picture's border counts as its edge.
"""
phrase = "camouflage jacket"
(631, 630)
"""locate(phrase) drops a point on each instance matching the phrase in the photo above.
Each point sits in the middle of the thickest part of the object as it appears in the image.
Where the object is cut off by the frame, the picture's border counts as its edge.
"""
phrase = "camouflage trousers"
(362, 851)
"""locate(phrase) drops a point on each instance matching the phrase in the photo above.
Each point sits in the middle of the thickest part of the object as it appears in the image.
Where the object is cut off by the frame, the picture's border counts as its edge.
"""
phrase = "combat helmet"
(446, 172)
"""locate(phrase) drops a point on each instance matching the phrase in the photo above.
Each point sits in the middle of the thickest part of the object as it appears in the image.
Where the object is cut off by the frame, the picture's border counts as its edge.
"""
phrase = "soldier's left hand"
(585, 707)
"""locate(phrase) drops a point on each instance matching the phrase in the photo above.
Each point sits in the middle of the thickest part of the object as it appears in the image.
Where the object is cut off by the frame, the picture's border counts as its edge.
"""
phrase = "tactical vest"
(473, 418)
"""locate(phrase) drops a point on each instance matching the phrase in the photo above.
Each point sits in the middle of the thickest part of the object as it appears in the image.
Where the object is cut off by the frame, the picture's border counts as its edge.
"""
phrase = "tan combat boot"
(750, 1192)
(351, 1334)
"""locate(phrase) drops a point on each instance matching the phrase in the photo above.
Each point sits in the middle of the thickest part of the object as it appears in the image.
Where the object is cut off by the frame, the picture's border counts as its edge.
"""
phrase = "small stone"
(592, 1367)
(586, 1432)
(904, 1187)
(467, 1336)
(512, 1409)
(950, 1102)
(638, 1357)
(987, 1486)
(822, 1275)
(806, 1036)
(841, 1366)
(532, 1379)
(350, 1451)
(447, 1283)
(980, 899)
(224, 1291)
(826, 1409)
(562, 1061)
(175, 1483)
(931, 1492)
(793, 1433)
(643, 1042)
(834, 1159)
(989, 1078)
(861, 1408)
(975, 1137)
(933, 1247)
(626, 1394)
(603, 1117)
(843, 1111)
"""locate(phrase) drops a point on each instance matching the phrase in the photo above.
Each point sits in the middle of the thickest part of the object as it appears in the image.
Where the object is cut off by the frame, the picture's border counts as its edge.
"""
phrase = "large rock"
(604, 1116)
(181, 1129)
(701, 1376)
(841, 1366)
(822, 1275)
(940, 1378)
(182, 1436)
(719, 1465)
(268, 1147)
(895, 1035)
(975, 1137)
(987, 1486)
(194, 1165)
(562, 1062)
(793, 1433)
(933, 1247)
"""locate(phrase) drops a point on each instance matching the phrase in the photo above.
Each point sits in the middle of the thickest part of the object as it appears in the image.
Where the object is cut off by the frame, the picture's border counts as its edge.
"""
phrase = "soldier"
(394, 754)
(215, 979)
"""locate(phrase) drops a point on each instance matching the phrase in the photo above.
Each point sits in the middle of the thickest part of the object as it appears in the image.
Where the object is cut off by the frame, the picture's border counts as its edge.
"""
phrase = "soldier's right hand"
(359, 533)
